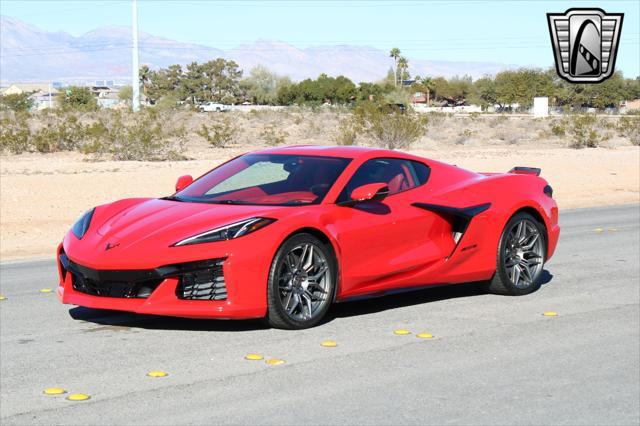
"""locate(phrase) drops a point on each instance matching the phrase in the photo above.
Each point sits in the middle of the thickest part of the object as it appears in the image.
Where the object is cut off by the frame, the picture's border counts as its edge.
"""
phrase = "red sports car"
(283, 233)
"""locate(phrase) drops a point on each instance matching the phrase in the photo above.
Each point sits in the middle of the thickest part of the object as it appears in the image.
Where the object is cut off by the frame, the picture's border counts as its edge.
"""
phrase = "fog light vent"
(206, 284)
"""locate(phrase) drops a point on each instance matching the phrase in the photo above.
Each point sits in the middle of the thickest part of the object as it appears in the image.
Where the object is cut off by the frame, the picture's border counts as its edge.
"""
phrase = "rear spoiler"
(526, 171)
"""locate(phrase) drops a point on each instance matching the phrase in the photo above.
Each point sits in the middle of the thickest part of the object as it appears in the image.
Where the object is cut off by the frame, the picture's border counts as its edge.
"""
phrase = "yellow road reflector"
(598, 229)
(612, 229)
(550, 314)
(254, 357)
(401, 332)
(274, 361)
(54, 391)
(157, 373)
(78, 397)
(45, 290)
(329, 344)
(425, 335)
(3, 298)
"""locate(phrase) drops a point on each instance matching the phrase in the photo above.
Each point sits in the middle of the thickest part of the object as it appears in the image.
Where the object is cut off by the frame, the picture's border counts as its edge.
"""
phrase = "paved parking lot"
(492, 360)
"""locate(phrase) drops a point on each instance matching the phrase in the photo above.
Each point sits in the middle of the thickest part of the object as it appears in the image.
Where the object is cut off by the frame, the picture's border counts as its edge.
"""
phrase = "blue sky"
(512, 32)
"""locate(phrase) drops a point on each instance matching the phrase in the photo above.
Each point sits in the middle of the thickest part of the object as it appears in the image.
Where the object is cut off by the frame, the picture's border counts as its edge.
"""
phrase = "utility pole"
(135, 78)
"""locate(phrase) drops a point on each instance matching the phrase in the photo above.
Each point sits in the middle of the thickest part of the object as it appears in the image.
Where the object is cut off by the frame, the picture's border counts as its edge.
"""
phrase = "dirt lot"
(42, 194)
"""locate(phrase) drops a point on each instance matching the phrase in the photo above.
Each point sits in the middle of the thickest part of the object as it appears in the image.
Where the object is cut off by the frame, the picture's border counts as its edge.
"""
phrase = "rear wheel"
(520, 257)
(301, 283)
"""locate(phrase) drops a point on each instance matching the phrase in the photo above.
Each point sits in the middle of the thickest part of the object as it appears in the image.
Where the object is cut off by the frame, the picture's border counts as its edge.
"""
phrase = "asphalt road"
(493, 360)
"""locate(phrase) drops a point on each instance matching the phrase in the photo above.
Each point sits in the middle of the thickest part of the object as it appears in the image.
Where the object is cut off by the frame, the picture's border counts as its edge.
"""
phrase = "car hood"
(165, 222)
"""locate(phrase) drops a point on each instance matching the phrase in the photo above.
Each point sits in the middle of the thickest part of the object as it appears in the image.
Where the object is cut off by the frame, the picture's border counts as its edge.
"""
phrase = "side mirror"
(183, 182)
(368, 192)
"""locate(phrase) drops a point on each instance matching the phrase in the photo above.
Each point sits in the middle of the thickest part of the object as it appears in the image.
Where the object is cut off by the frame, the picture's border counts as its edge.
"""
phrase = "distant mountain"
(28, 53)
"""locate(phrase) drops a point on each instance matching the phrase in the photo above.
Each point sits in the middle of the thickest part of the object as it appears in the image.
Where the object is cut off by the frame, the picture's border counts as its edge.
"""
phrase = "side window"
(399, 175)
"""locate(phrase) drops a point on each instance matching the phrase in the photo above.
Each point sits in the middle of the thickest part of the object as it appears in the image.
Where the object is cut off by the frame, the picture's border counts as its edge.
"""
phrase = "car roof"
(334, 151)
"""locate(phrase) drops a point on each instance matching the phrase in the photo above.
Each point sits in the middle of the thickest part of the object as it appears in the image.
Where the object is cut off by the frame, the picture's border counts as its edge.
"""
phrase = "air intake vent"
(206, 284)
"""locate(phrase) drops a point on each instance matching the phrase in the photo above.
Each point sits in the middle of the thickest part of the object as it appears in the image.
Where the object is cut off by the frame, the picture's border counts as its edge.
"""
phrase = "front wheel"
(520, 258)
(302, 281)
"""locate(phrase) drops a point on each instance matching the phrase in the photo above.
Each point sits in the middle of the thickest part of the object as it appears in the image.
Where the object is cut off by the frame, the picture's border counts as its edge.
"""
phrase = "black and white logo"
(585, 43)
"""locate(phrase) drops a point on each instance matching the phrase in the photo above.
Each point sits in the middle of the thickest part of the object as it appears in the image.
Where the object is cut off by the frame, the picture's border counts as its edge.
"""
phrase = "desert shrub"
(347, 132)
(507, 136)
(16, 102)
(629, 127)
(298, 118)
(559, 128)
(474, 116)
(59, 134)
(437, 118)
(464, 136)
(14, 134)
(144, 136)
(272, 135)
(311, 129)
(390, 127)
(583, 131)
(219, 134)
(498, 121)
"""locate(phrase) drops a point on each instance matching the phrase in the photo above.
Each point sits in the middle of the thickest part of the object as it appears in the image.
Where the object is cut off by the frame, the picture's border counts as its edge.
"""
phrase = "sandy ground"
(42, 195)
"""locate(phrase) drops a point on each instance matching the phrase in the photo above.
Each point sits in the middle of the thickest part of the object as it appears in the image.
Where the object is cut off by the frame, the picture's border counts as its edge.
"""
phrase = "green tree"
(78, 98)
(441, 90)
(484, 93)
(125, 94)
(17, 102)
(261, 87)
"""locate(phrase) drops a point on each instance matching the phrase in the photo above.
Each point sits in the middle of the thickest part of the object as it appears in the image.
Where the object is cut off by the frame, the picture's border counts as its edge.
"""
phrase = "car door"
(383, 242)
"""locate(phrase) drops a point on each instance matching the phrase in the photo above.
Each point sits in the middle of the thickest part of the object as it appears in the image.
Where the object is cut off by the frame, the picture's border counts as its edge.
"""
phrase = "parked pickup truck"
(213, 107)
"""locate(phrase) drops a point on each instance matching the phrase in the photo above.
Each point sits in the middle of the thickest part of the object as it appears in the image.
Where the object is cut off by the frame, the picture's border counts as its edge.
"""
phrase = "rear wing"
(526, 171)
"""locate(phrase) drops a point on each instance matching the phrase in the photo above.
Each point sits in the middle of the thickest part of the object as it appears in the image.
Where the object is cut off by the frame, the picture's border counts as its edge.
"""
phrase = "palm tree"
(395, 54)
(403, 65)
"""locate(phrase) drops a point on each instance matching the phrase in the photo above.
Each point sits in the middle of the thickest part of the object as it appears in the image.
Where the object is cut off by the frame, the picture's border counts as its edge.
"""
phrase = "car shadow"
(364, 306)
(411, 297)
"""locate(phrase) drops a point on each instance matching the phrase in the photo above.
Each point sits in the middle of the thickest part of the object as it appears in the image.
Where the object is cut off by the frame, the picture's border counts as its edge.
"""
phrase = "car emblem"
(110, 246)
(585, 43)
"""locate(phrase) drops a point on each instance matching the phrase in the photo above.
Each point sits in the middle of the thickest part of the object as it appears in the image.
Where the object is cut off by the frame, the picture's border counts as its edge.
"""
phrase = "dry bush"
(219, 134)
(14, 133)
(584, 132)
(389, 127)
(498, 121)
(629, 127)
(464, 136)
(144, 136)
(272, 135)
(311, 129)
(347, 132)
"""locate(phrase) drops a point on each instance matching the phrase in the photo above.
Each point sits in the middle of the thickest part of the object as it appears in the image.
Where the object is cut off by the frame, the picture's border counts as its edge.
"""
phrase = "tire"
(299, 293)
(522, 251)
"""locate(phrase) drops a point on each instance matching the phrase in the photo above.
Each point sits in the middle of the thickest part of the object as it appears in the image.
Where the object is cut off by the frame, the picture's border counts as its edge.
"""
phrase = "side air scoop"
(458, 217)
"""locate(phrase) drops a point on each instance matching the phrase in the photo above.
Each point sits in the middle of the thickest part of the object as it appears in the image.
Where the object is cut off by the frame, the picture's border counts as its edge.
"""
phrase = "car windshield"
(267, 179)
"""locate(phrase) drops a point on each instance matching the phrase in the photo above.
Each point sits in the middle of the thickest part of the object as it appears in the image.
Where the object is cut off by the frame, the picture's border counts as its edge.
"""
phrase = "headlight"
(80, 227)
(228, 232)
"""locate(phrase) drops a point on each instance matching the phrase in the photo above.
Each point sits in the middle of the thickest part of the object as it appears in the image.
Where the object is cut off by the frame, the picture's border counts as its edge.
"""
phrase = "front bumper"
(156, 291)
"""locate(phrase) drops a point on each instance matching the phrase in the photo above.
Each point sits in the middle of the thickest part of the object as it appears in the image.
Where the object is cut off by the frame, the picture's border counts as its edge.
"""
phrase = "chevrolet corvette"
(283, 233)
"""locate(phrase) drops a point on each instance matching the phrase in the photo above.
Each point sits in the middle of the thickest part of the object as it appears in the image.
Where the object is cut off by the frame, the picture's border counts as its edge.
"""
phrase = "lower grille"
(206, 284)
(125, 289)
(199, 280)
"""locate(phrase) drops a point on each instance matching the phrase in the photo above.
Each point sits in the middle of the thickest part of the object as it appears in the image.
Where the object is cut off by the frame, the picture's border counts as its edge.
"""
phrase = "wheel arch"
(540, 218)
(329, 242)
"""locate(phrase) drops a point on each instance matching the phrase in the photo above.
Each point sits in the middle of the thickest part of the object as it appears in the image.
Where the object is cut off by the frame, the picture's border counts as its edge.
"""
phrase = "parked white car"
(213, 107)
